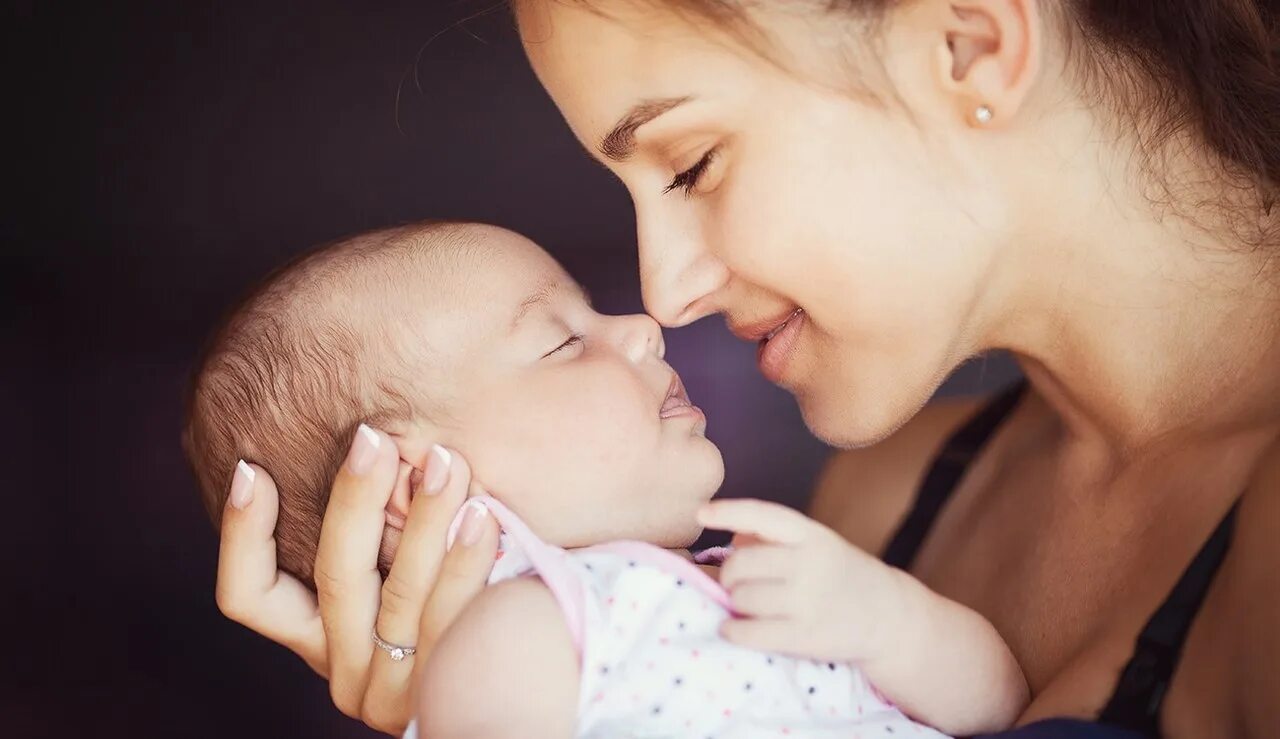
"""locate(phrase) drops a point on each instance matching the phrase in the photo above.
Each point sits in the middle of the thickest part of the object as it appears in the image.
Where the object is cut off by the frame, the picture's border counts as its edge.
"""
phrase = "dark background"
(193, 147)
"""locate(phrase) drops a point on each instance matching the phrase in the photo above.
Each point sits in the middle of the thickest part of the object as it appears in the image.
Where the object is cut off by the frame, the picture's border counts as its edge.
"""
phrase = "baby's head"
(465, 335)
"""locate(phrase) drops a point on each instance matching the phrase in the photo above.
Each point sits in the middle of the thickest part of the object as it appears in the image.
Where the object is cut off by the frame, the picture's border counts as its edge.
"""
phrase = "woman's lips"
(776, 348)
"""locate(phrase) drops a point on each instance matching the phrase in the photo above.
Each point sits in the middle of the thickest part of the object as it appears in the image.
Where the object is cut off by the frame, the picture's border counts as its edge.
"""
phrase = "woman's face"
(761, 190)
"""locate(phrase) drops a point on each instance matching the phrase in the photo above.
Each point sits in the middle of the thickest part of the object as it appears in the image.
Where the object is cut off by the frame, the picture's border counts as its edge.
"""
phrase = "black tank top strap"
(945, 473)
(1135, 705)
(1139, 695)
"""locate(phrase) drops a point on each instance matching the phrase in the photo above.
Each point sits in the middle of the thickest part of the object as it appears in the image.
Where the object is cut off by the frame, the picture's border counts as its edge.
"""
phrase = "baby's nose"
(643, 338)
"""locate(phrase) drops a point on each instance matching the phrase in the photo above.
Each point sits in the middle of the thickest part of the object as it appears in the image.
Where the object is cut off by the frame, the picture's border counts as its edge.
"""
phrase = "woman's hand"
(798, 588)
(425, 590)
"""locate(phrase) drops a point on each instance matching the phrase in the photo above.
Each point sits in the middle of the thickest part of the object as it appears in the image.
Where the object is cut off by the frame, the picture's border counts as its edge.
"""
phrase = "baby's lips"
(677, 396)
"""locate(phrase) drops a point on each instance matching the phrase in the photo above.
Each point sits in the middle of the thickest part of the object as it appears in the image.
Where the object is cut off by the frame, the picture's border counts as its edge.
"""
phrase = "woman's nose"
(642, 338)
(679, 276)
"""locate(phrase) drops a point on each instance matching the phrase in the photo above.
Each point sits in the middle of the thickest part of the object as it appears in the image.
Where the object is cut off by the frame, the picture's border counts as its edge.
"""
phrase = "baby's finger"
(772, 522)
(761, 634)
(250, 590)
(758, 599)
(765, 562)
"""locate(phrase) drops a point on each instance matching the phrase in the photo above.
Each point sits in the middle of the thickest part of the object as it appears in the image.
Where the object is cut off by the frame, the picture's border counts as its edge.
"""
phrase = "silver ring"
(395, 651)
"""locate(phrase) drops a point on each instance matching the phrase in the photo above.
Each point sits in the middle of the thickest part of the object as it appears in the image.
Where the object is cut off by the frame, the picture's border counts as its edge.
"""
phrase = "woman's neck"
(1141, 331)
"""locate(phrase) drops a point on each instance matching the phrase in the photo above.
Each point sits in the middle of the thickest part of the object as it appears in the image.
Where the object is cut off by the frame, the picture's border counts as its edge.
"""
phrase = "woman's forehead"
(597, 65)
(599, 61)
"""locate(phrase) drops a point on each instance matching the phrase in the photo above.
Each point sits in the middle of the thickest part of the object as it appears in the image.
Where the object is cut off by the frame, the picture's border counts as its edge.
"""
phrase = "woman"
(884, 190)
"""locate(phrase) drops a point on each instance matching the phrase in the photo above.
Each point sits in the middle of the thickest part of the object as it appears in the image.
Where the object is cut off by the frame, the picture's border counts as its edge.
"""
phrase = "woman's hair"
(1206, 67)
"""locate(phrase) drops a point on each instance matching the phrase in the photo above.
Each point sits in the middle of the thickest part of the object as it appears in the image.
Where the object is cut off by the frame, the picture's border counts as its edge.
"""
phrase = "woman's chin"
(851, 420)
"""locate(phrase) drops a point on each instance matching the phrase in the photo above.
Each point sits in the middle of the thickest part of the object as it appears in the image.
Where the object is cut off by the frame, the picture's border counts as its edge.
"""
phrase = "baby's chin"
(680, 530)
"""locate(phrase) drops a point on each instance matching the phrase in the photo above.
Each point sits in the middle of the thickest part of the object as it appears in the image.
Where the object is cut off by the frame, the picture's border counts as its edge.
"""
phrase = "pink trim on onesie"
(670, 563)
(551, 564)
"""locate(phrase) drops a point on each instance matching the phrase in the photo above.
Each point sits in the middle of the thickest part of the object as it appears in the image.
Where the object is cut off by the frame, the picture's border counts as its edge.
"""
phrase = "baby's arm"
(945, 665)
(798, 588)
(505, 668)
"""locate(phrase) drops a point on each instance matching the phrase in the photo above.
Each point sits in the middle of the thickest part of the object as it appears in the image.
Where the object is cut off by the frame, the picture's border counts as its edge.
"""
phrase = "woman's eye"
(688, 179)
(571, 341)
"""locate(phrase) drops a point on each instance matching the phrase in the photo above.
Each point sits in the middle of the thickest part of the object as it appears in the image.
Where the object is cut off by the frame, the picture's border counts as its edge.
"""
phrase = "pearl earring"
(983, 114)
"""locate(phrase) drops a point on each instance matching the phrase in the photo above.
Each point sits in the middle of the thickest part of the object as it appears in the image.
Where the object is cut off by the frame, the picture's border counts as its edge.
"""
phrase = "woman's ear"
(976, 59)
(993, 56)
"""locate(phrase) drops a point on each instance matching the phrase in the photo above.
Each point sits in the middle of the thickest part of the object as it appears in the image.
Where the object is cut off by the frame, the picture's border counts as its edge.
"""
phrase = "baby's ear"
(398, 507)
(413, 448)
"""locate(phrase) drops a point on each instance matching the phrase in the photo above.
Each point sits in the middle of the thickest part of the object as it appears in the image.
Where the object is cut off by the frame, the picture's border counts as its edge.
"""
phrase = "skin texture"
(852, 180)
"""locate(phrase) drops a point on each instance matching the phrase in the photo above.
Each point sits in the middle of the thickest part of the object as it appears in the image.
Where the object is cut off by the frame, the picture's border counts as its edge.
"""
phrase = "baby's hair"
(288, 376)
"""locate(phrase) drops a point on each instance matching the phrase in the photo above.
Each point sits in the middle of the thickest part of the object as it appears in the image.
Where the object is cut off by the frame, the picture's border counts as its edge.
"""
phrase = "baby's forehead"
(491, 267)
(476, 285)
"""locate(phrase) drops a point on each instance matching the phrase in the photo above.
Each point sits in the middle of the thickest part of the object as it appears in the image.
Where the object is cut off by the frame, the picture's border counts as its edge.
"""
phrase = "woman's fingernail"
(437, 473)
(241, 486)
(473, 522)
(364, 450)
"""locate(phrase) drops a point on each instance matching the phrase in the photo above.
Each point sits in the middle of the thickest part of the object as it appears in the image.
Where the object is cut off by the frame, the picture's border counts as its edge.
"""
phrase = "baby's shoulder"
(512, 640)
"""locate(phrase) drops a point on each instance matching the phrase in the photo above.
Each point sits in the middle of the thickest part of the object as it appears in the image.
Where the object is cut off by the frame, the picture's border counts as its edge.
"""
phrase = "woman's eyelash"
(688, 179)
(575, 339)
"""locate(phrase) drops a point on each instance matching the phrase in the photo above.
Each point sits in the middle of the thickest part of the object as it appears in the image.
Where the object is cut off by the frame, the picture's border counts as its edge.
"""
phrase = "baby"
(597, 623)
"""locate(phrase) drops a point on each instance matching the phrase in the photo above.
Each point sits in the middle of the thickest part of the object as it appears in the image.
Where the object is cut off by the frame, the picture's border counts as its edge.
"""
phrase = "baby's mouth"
(677, 399)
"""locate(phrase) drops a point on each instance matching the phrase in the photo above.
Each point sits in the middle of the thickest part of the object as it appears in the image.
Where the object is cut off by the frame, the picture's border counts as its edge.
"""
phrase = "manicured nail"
(241, 486)
(437, 473)
(364, 450)
(473, 522)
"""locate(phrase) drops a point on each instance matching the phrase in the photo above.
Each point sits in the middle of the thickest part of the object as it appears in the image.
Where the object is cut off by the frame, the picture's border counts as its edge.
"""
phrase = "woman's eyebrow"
(620, 143)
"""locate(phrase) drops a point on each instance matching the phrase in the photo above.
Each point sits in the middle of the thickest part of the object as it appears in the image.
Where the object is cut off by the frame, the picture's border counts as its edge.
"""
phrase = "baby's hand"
(798, 588)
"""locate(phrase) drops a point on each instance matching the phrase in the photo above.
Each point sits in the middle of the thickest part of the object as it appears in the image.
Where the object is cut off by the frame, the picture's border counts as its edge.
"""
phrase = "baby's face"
(571, 418)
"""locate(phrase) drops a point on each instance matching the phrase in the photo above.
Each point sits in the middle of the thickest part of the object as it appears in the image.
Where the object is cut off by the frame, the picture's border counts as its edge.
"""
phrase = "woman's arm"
(505, 669)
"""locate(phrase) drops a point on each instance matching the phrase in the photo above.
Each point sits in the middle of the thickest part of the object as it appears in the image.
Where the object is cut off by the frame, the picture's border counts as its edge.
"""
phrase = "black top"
(1135, 704)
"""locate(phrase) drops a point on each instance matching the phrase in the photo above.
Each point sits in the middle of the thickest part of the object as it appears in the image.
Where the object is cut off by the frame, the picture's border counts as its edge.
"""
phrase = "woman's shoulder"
(864, 493)
(1229, 673)
(1256, 605)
